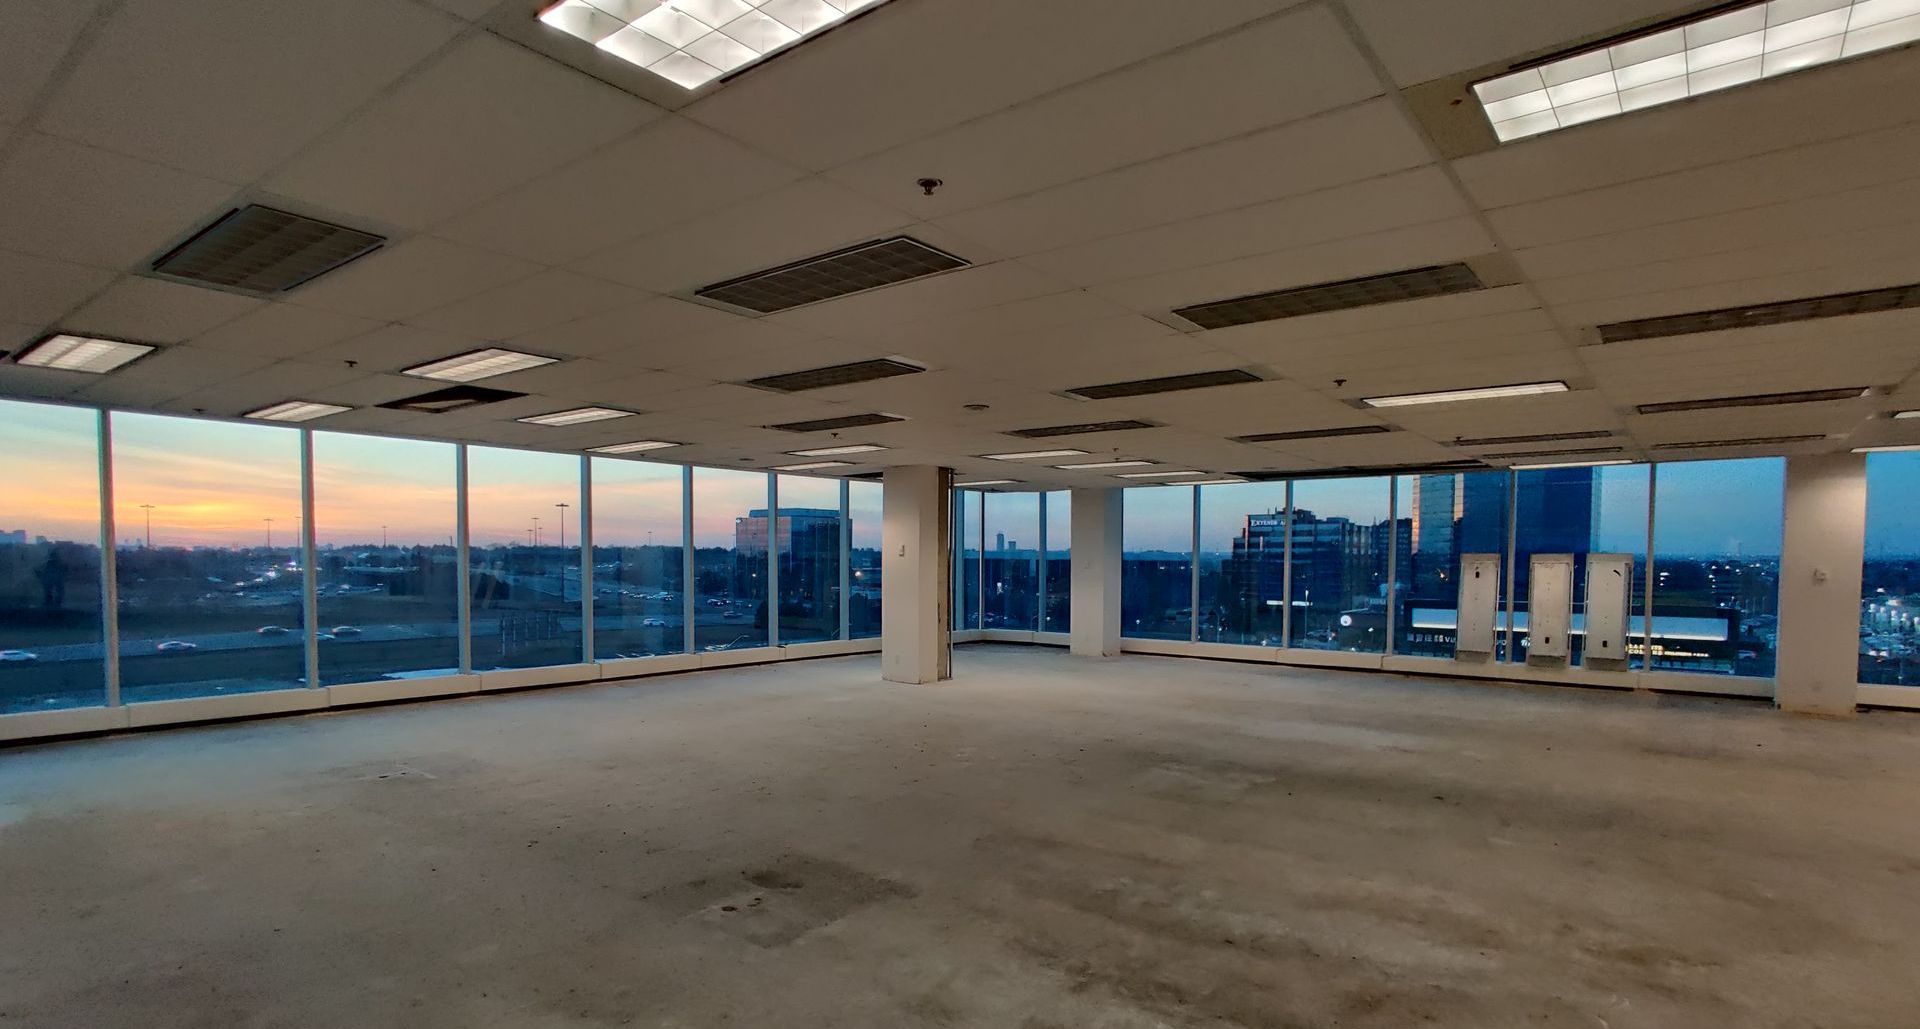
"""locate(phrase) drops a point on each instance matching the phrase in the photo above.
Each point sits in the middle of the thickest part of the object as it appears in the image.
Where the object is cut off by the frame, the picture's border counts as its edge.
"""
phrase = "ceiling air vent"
(1810, 396)
(1167, 384)
(262, 250)
(1081, 428)
(1752, 441)
(1866, 301)
(841, 273)
(836, 375)
(453, 398)
(849, 421)
(1348, 471)
(1346, 294)
(1345, 430)
(1538, 437)
(1573, 452)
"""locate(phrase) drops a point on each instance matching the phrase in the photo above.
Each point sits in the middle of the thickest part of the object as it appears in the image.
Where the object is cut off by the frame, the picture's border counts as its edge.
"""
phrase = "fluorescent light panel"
(295, 411)
(1524, 389)
(812, 466)
(851, 448)
(636, 447)
(1900, 449)
(476, 365)
(576, 416)
(1700, 56)
(692, 42)
(987, 482)
(1101, 465)
(1567, 464)
(1157, 475)
(1215, 482)
(1037, 454)
(1906, 414)
(91, 354)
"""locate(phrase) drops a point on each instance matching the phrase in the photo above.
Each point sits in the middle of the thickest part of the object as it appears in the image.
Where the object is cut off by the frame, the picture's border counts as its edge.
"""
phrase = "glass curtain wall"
(1580, 511)
(729, 559)
(639, 558)
(967, 525)
(51, 654)
(808, 541)
(863, 601)
(1716, 569)
(1057, 612)
(1156, 563)
(1012, 560)
(1342, 532)
(212, 602)
(1890, 572)
(1445, 516)
(1242, 563)
(523, 516)
(386, 570)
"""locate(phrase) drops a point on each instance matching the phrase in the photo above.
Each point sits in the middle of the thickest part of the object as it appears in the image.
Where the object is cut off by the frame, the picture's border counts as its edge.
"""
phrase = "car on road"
(345, 630)
(175, 646)
(17, 657)
(272, 630)
(653, 623)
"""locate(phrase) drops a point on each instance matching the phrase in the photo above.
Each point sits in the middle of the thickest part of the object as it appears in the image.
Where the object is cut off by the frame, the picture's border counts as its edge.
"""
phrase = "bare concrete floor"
(1045, 843)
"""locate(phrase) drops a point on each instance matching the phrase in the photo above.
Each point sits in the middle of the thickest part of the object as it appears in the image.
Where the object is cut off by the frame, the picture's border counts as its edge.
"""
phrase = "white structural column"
(914, 562)
(1095, 628)
(1820, 553)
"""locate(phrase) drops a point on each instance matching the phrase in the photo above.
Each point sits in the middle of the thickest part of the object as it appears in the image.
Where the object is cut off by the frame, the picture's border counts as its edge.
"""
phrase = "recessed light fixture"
(986, 482)
(1030, 455)
(1899, 449)
(1102, 465)
(476, 365)
(295, 411)
(692, 42)
(1906, 414)
(576, 416)
(1678, 61)
(1157, 475)
(812, 466)
(91, 354)
(636, 447)
(1523, 389)
(1215, 482)
(851, 448)
(1567, 464)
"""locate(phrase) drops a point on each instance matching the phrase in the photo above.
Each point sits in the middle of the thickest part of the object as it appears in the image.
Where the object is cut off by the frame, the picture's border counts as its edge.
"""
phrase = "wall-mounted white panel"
(1609, 606)
(1549, 607)
(1479, 601)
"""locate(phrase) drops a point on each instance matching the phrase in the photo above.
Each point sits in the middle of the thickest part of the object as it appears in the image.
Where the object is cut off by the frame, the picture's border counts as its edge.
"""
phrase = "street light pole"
(269, 522)
(148, 508)
(563, 523)
(536, 530)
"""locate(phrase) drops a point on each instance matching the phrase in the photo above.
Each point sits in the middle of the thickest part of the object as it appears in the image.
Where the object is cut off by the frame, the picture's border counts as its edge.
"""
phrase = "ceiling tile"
(38, 37)
(633, 333)
(279, 330)
(151, 309)
(1418, 42)
(411, 277)
(76, 203)
(549, 298)
(37, 290)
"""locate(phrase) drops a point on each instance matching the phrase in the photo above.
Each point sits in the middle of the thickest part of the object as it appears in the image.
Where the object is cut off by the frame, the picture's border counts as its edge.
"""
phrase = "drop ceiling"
(1112, 161)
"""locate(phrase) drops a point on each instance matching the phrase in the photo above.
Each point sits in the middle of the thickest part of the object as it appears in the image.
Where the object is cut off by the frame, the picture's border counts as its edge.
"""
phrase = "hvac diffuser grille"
(263, 250)
(1348, 430)
(1349, 471)
(851, 421)
(841, 273)
(1081, 428)
(837, 375)
(1753, 441)
(1892, 298)
(453, 398)
(1392, 287)
(1538, 437)
(1811, 396)
(1167, 384)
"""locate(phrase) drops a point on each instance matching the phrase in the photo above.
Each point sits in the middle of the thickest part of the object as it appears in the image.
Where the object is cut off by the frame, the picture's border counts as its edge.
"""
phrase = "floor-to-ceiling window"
(863, 601)
(1716, 566)
(1890, 572)
(1341, 534)
(212, 600)
(730, 535)
(639, 564)
(1012, 565)
(808, 541)
(523, 513)
(387, 575)
(966, 559)
(1443, 516)
(1578, 511)
(50, 624)
(1156, 564)
(1057, 614)
(1242, 563)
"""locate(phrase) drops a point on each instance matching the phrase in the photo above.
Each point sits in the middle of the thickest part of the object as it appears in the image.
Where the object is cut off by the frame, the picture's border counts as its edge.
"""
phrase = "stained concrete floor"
(1045, 843)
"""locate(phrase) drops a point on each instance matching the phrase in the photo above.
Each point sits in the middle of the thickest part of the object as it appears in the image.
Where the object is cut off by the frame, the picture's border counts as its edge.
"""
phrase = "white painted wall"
(1096, 572)
(1820, 555)
(912, 636)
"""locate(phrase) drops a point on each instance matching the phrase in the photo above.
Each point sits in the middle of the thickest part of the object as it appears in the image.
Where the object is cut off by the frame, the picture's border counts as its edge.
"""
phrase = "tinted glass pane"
(1716, 565)
(966, 557)
(1156, 567)
(1890, 576)
(1579, 511)
(50, 653)
(1243, 563)
(863, 614)
(729, 559)
(388, 578)
(1012, 561)
(1057, 617)
(1342, 534)
(639, 563)
(1444, 516)
(809, 541)
(523, 520)
(215, 605)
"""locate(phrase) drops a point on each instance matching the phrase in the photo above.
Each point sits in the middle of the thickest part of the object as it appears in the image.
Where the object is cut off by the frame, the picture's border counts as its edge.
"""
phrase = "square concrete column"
(1823, 544)
(1096, 572)
(915, 570)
